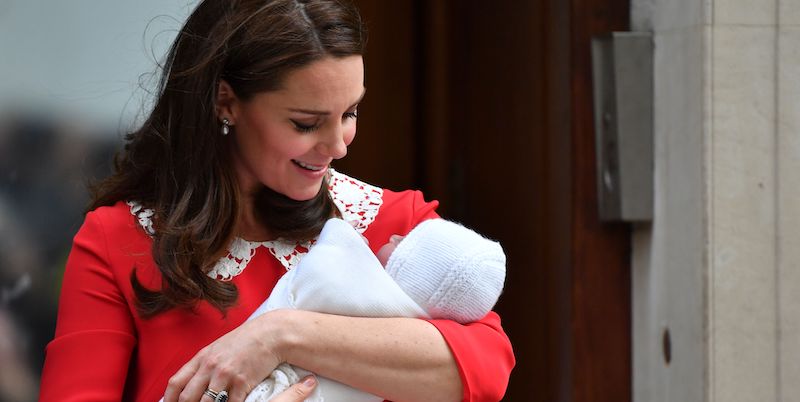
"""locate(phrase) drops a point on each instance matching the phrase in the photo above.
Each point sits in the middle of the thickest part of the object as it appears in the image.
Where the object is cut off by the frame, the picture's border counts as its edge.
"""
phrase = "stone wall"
(718, 267)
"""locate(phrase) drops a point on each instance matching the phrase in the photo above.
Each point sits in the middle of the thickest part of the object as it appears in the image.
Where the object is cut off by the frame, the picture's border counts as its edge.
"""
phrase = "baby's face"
(387, 249)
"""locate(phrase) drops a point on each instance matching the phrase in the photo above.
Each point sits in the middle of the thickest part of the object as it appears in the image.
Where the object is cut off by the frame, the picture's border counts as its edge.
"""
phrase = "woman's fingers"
(178, 381)
(196, 387)
(207, 372)
(298, 392)
(225, 380)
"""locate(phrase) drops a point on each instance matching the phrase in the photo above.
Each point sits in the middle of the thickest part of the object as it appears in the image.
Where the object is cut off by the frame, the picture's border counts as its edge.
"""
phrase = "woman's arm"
(405, 359)
(90, 355)
(400, 359)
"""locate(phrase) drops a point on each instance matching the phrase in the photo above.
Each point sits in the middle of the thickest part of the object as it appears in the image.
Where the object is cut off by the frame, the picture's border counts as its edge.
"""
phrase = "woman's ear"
(227, 102)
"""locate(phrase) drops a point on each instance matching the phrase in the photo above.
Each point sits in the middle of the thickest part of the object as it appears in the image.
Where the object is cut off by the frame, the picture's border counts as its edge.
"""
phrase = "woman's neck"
(249, 227)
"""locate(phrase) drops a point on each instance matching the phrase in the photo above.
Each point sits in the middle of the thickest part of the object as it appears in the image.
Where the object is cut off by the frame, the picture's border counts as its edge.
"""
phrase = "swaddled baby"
(439, 270)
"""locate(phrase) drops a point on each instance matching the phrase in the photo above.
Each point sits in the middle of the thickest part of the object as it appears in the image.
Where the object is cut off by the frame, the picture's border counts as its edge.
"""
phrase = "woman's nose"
(334, 144)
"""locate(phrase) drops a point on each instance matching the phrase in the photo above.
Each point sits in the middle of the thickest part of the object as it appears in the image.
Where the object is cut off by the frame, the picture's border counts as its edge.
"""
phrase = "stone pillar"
(718, 270)
(788, 199)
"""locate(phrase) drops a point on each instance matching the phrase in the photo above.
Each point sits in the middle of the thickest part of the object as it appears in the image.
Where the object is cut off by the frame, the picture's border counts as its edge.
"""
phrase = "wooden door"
(486, 106)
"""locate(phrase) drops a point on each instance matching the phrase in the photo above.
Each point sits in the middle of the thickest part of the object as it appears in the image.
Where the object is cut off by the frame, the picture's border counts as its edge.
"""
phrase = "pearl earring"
(226, 126)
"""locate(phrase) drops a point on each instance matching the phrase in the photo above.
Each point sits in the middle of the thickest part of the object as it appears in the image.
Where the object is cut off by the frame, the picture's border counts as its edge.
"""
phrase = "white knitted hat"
(449, 270)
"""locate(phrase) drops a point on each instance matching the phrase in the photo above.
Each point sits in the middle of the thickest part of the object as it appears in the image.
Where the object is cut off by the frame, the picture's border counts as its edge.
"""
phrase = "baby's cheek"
(385, 252)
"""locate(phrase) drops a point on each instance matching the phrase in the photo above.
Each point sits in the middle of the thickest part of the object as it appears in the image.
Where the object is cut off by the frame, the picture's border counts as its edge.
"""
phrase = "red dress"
(103, 351)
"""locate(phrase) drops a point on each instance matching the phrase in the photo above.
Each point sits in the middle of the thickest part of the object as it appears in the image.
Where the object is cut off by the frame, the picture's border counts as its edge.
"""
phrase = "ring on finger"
(218, 396)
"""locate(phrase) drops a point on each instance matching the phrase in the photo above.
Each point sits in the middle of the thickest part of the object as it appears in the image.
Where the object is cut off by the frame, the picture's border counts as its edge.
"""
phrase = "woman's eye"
(304, 128)
(350, 115)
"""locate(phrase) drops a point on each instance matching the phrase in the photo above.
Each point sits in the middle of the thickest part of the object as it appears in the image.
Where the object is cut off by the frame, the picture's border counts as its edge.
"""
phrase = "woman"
(220, 192)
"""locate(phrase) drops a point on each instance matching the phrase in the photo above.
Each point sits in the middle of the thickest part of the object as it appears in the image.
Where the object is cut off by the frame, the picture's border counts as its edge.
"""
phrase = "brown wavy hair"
(179, 164)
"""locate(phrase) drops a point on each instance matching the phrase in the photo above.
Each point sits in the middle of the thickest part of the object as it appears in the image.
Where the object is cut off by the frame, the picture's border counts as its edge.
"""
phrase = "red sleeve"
(482, 349)
(483, 354)
(400, 212)
(89, 357)
(423, 210)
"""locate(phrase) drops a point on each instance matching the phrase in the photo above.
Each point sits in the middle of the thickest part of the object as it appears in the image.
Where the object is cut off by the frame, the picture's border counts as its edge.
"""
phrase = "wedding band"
(221, 396)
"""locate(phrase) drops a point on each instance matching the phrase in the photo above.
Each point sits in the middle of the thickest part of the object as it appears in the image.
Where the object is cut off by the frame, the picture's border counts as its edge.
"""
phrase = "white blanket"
(339, 275)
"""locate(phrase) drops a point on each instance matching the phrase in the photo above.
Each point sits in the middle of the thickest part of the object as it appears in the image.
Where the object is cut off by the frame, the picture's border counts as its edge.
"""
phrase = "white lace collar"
(357, 201)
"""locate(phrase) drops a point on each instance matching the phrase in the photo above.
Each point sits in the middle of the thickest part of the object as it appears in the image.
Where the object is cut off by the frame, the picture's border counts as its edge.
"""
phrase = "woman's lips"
(309, 166)
(311, 169)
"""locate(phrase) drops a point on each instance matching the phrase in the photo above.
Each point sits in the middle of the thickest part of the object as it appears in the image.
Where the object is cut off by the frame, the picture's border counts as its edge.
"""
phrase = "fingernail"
(310, 381)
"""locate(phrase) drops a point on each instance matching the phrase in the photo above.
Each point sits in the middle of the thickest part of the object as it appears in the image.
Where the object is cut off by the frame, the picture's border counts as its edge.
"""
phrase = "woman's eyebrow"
(325, 113)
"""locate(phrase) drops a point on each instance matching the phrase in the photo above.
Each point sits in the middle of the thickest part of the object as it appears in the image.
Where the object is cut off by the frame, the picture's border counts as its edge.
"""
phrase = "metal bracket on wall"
(622, 69)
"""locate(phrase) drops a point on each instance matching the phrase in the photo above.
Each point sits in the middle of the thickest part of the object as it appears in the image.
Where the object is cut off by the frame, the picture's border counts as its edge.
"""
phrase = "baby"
(439, 270)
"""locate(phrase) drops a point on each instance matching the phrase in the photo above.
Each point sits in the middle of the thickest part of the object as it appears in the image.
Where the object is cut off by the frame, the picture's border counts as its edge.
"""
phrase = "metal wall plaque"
(622, 67)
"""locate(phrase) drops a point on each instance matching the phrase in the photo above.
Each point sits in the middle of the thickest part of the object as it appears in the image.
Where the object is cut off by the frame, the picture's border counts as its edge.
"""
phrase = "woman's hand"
(235, 363)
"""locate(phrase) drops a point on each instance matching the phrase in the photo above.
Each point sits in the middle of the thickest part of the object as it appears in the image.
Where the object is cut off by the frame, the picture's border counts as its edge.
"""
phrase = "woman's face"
(286, 139)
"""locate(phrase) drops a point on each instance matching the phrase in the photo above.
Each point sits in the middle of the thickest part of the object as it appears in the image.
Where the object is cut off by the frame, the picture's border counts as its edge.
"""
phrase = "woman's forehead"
(324, 84)
(335, 75)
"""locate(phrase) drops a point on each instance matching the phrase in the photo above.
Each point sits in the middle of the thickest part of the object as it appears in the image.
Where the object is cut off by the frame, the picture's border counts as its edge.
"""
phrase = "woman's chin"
(301, 195)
